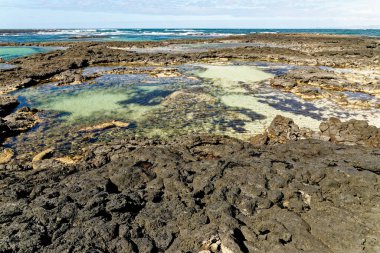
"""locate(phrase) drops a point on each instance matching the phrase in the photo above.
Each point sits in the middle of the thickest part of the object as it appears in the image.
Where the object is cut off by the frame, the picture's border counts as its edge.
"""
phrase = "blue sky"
(191, 13)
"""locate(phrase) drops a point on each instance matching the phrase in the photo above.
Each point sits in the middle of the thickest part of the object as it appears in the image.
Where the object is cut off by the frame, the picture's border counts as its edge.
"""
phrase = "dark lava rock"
(196, 193)
(70, 77)
(281, 130)
(351, 132)
(21, 121)
(7, 104)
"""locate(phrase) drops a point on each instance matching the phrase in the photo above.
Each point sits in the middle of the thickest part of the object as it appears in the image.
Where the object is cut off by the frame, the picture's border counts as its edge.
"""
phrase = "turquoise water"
(235, 100)
(112, 97)
(8, 53)
(155, 34)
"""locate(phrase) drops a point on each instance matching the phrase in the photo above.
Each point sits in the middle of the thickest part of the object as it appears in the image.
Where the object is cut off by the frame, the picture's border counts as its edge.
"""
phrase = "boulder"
(7, 104)
(22, 120)
(352, 132)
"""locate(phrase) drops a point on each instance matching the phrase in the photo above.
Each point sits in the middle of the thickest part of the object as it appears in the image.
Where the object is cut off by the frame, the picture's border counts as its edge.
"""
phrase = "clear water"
(8, 53)
(234, 100)
(155, 34)
(112, 97)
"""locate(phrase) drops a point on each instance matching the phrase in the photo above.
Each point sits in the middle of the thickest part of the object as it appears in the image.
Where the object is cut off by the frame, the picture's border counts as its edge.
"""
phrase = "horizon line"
(203, 28)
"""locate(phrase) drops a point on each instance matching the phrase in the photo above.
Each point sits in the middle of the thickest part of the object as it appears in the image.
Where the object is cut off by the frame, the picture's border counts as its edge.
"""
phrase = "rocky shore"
(289, 189)
(197, 194)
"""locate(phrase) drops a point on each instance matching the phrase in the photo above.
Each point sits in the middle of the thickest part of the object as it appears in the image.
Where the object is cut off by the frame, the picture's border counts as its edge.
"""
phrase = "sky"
(189, 14)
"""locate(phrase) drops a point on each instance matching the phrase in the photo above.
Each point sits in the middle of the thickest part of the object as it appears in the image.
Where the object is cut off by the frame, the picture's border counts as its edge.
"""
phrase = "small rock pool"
(8, 53)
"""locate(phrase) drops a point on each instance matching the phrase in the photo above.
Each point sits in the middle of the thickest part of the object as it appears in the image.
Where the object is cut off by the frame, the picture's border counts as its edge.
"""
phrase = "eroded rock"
(353, 132)
(194, 194)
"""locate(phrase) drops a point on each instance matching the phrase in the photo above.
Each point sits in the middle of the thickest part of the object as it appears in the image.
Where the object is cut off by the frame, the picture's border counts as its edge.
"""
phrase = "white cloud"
(315, 13)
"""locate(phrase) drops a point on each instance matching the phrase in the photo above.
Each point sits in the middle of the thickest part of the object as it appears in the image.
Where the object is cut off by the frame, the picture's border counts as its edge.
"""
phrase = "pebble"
(6, 155)
(214, 247)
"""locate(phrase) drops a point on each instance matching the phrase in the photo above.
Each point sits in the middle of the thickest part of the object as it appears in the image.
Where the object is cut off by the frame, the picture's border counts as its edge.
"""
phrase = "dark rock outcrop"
(197, 193)
(353, 132)
(7, 105)
(281, 130)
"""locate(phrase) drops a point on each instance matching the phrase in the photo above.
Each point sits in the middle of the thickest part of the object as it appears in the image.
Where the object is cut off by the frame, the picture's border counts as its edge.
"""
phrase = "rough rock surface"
(350, 133)
(281, 130)
(315, 50)
(21, 121)
(147, 196)
(13, 122)
(317, 83)
(7, 104)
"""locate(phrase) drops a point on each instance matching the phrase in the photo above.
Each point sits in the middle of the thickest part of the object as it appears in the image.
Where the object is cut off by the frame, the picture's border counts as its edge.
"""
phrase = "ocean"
(24, 36)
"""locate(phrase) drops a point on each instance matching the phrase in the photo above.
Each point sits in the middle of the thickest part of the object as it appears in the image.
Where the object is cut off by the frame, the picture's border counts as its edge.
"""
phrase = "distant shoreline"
(101, 34)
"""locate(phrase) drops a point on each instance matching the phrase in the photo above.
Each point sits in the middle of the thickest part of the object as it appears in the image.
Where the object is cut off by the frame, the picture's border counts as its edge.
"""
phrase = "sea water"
(22, 36)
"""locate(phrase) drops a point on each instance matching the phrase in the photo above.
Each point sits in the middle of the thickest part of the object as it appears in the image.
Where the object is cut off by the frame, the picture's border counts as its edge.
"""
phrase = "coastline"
(288, 189)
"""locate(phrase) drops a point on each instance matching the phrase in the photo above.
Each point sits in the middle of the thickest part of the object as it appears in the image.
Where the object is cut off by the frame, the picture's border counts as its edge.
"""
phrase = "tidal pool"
(235, 100)
(9, 53)
(121, 97)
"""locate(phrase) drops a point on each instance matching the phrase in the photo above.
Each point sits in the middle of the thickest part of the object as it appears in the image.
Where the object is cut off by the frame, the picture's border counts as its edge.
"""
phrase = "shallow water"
(123, 97)
(8, 53)
(230, 78)
(234, 100)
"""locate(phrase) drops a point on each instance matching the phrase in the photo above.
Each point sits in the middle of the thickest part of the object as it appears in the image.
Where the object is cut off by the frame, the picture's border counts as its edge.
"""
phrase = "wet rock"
(4, 130)
(188, 96)
(283, 83)
(27, 82)
(22, 120)
(7, 104)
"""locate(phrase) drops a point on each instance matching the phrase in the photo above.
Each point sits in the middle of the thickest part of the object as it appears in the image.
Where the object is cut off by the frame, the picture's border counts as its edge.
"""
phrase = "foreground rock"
(198, 193)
